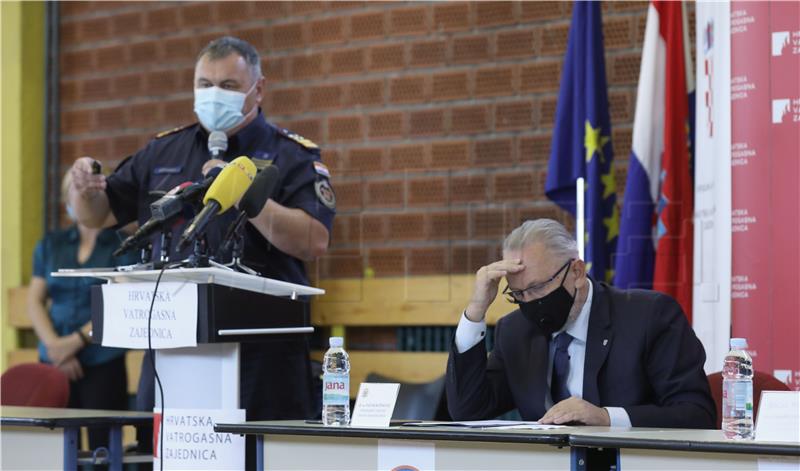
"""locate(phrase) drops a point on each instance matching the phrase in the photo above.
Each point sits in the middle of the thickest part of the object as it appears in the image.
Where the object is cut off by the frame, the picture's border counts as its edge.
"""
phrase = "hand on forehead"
(539, 263)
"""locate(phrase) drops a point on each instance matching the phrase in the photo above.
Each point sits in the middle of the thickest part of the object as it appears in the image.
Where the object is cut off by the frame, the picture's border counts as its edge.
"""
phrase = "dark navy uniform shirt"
(269, 389)
(178, 156)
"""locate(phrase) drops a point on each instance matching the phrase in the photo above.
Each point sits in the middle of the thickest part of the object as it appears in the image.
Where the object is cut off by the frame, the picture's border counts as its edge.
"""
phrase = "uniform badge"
(322, 169)
(325, 193)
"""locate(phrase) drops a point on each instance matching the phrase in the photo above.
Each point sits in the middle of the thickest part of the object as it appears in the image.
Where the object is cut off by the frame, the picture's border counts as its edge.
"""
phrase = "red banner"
(765, 161)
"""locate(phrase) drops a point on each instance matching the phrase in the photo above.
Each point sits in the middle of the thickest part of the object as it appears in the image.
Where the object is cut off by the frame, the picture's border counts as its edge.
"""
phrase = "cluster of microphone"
(219, 190)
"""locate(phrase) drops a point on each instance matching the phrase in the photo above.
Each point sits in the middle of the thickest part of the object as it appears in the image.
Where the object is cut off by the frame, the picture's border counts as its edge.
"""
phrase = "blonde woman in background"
(59, 309)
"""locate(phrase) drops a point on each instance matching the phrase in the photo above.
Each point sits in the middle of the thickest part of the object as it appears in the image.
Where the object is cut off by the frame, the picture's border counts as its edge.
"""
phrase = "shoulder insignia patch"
(172, 131)
(325, 193)
(307, 143)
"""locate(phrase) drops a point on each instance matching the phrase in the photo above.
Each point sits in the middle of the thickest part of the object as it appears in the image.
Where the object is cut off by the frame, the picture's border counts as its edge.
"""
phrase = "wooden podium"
(232, 307)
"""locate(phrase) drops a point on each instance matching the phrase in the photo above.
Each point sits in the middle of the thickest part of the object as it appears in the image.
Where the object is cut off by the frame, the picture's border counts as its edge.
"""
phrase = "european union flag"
(582, 140)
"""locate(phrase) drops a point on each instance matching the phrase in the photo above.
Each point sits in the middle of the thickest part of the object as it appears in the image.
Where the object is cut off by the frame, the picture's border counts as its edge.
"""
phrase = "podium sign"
(191, 443)
(173, 321)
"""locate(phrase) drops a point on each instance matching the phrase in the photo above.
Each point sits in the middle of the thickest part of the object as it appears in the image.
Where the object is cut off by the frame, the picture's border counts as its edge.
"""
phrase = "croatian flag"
(655, 242)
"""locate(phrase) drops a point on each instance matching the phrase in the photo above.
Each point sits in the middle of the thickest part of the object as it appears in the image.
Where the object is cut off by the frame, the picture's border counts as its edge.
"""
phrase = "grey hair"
(221, 48)
(552, 234)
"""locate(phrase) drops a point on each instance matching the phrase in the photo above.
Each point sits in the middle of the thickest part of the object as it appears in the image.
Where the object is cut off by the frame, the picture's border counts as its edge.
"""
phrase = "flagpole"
(579, 222)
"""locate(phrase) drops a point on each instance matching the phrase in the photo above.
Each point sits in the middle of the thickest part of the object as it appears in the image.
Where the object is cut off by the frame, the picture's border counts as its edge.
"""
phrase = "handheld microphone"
(170, 204)
(197, 190)
(164, 212)
(262, 189)
(169, 208)
(232, 182)
(264, 186)
(217, 143)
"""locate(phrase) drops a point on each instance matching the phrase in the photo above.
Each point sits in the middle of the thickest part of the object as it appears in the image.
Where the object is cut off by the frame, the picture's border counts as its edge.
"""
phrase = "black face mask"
(550, 312)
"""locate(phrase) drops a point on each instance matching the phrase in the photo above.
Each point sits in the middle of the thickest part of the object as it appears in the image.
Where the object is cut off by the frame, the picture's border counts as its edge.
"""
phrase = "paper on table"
(528, 426)
(500, 424)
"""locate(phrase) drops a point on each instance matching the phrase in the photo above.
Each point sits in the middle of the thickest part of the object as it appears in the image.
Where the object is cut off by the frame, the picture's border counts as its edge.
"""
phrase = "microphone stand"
(238, 249)
(163, 252)
(235, 236)
(166, 242)
(199, 256)
(146, 253)
(145, 258)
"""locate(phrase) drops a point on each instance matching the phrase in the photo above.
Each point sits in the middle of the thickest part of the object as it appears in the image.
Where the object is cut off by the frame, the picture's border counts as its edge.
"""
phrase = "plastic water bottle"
(336, 384)
(737, 392)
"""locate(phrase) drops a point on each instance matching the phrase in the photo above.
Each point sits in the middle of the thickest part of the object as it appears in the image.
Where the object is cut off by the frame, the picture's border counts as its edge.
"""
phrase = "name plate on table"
(375, 404)
(173, 323)
(779, 416)
(191, 443)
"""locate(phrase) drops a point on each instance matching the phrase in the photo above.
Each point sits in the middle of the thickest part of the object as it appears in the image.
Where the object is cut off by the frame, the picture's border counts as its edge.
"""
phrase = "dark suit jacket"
(641, 354)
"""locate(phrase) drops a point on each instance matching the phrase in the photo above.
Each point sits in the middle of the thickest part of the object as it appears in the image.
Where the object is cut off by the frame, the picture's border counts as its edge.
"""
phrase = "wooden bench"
(18, 319)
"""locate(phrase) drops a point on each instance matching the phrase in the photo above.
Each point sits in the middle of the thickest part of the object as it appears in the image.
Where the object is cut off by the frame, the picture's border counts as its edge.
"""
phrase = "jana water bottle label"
(737, 399)
(335, 389)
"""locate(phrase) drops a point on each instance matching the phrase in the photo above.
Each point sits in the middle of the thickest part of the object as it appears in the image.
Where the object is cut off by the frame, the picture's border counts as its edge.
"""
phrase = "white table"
(37, 438)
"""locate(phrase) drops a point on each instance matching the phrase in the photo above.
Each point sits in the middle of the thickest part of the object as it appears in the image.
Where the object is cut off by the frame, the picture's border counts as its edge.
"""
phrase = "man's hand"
(64, 348)
(486, 282)
(85, 183)
(211, 164)
(575, 409)
(87, 195)
(72, 368)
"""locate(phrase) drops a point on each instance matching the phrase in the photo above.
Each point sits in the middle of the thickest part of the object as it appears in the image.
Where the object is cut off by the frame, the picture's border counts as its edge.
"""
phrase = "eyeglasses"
(518, 296)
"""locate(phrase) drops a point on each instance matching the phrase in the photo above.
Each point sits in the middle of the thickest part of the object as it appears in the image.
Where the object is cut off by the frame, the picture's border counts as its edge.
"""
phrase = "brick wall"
(435, 118)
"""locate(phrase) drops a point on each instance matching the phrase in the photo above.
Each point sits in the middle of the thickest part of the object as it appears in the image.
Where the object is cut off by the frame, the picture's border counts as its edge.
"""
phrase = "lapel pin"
(605, 342)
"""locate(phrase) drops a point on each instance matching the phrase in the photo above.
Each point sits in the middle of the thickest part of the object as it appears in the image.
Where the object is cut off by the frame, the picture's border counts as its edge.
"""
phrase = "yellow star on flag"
(612, 224)
(609, 184)
(593, 141)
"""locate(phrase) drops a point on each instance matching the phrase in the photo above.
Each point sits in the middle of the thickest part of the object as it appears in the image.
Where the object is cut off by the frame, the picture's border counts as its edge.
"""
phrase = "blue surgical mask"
(219, 109)
(71, 213)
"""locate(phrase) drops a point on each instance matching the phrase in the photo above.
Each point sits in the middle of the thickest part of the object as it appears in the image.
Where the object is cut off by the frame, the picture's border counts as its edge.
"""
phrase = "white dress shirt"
(469, 333)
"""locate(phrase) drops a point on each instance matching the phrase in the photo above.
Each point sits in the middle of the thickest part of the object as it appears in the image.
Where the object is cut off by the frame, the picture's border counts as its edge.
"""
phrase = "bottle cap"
(336, 342)
(738, 343)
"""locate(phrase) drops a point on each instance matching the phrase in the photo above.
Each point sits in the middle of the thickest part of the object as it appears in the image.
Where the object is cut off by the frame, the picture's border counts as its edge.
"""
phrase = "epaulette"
(172, 131)
(307, 143)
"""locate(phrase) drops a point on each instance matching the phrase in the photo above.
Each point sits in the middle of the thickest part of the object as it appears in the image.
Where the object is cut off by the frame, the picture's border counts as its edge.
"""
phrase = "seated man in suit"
(576, 350)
